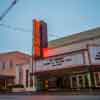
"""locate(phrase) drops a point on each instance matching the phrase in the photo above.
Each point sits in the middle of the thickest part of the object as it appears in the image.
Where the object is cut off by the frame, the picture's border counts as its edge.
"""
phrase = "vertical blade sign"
(37, 53)
(44, 38)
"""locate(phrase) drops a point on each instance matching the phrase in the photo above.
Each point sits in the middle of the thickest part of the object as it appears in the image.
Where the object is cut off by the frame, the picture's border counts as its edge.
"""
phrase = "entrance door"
(74, 82)
(87, 80)
(81, 83)
(2, 83)
(59, 83)
(77, 82)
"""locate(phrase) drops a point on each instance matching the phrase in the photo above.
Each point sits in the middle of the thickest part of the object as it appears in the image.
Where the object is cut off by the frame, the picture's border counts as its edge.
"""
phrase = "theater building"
(72, 62)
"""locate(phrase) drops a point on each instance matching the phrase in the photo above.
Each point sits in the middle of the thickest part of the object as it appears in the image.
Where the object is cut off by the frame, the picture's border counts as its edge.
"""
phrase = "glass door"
(81, 83)
(74, 84)
(87, 84)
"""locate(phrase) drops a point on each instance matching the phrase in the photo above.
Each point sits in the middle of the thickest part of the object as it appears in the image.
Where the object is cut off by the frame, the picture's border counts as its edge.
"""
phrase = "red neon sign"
(40, 38)
(37, 53)
(47, 52)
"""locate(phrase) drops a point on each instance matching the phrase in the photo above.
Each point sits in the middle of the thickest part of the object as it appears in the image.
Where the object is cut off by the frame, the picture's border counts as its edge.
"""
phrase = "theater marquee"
(61, 61)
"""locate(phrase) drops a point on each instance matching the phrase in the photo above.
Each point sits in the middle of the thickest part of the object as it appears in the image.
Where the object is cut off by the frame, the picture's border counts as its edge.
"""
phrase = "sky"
(63, 17)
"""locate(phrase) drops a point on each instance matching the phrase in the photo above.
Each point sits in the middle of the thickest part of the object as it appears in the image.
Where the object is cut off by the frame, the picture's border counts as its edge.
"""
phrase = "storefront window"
(80, 81)
(74, 82)
(86, 81)
(27, 73)
(31, 80)
(20, 76)
(40, 84)
(97, 78)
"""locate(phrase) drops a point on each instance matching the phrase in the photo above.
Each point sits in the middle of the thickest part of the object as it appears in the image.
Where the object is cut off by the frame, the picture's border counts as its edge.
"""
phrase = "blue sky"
(64, 17)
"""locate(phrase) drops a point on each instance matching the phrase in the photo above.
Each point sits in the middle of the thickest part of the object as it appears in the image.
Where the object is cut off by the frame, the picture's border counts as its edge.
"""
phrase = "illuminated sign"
(40, 38)
(47, 52)
(44, 37)
(37, 53)
(43, 32)
(59, 62)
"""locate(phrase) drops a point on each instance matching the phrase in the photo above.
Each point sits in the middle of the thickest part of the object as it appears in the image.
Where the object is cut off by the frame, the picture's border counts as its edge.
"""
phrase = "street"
(48, 97)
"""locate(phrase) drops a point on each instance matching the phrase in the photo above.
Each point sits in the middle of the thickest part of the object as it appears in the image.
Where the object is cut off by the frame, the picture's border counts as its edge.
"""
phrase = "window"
(3, 65)
(0, 65)
(46, 63)
(10, 63)
(86, 81)
(97, 78)
(27, 75)
(20, 76)
(31, 80)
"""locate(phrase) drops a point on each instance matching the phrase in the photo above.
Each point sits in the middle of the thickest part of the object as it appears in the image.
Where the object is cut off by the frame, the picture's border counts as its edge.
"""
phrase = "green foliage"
(10, 87)
(4, 90)
(16, 86)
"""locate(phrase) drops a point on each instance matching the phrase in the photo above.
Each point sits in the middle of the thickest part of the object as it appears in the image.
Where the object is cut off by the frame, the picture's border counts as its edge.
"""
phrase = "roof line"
(89, 30)
(12, 52)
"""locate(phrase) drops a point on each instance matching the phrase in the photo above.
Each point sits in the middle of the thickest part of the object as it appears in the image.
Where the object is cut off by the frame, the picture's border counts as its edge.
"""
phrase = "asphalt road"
(49, 97)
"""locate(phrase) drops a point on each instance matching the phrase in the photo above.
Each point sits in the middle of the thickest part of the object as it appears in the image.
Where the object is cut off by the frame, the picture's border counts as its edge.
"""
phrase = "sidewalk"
(60, 92)
(71, 92)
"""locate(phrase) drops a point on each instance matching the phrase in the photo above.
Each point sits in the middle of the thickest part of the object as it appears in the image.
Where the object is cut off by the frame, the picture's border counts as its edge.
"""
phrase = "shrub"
(4, 90)
(16, 86)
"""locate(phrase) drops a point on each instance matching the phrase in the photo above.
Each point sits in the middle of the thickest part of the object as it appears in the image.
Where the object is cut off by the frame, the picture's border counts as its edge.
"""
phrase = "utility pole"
(8, 9)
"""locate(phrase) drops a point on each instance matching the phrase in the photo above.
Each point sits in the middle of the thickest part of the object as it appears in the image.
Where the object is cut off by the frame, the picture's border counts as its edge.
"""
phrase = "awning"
(5, 77)
(63, 71)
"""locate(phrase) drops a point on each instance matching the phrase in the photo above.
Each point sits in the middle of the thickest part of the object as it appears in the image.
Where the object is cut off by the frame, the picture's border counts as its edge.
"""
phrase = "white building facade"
(71, 63)
(24, 76)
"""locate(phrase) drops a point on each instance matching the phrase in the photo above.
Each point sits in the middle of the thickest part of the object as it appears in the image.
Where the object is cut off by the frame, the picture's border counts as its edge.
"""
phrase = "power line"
(8, 9)
(15, 28)
(20, 29)
(53, 35)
